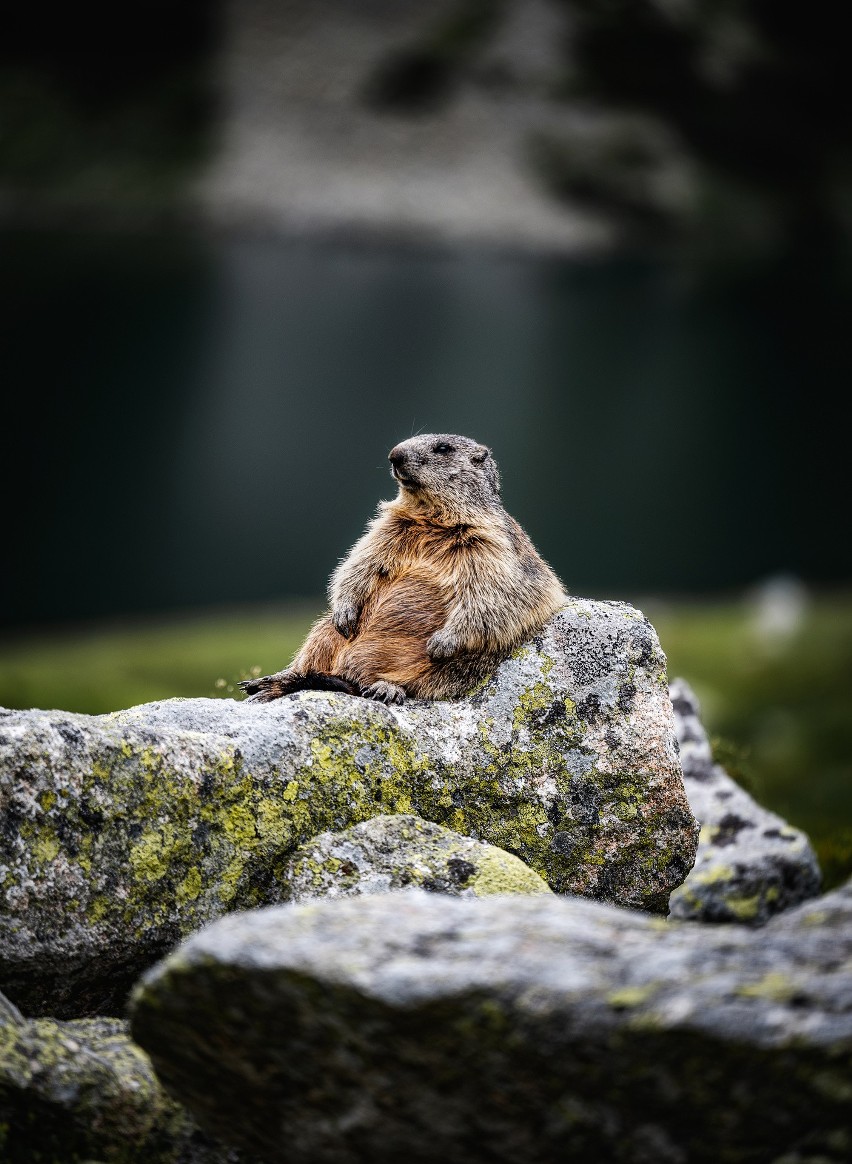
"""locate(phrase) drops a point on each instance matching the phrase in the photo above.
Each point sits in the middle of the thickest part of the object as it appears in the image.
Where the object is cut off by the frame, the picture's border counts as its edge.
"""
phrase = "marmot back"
(441, 588)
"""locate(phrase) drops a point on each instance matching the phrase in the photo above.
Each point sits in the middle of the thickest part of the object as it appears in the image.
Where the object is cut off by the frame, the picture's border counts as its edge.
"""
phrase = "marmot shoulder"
(442, 586)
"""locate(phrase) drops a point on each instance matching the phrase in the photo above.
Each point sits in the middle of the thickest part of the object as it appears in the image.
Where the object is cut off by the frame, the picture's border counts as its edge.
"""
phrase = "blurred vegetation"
(421, 77)
(777, 709)
(111, 666)
(106, 107)
(720, 128)
(755, 96)
(140, 149)
(777, 706)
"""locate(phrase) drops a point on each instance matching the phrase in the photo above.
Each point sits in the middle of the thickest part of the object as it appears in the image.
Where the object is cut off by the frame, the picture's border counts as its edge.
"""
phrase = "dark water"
(191, 422)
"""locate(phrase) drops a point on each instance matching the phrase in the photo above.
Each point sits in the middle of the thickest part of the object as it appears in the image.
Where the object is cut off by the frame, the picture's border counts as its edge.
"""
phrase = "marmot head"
(448, 472)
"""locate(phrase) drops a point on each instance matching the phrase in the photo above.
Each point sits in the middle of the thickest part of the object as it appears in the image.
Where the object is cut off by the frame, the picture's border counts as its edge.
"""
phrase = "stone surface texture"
(750, 864)
(408, 1026)
(81, 1091)
(122, 833)
(402, 851)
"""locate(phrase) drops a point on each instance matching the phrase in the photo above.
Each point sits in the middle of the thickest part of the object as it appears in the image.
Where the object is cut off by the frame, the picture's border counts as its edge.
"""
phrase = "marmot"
(441, 588)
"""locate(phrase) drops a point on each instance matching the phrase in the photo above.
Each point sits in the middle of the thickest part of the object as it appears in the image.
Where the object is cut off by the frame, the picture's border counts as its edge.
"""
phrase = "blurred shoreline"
(297, 147)
(530, 125)
(304, 148)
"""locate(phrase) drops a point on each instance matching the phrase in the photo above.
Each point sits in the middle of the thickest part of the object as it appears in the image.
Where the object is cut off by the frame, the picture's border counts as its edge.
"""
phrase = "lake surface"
(194, 421)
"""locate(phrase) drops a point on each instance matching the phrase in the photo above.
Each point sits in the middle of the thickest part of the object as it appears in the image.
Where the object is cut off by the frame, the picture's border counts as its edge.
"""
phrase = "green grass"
(778, 712)
(106, 668)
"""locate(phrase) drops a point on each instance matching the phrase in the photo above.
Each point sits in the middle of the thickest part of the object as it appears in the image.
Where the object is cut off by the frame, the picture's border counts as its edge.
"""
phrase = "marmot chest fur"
(443, 585)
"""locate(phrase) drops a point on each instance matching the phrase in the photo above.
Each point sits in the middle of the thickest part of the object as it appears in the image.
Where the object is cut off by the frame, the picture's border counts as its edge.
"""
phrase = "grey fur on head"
(447, 469)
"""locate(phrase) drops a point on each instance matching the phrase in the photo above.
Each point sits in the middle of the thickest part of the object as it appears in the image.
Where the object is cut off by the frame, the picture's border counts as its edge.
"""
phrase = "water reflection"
(207, 421)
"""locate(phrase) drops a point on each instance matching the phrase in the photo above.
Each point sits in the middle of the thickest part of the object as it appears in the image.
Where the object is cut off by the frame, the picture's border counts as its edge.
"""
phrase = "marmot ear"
(481, 454)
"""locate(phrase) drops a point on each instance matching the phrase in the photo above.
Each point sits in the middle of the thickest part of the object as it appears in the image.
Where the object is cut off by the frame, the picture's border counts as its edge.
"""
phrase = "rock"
(78, 1091)
(395, 852)
(448, 1031)
(8, 1012)
(122, 833)
(750, 864)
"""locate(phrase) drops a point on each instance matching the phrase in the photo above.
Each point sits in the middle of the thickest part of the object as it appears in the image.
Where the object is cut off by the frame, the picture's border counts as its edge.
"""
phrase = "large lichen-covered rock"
(119, 834)
(405, 1027)
(81, 1091)
(401, 851)
(750, 863)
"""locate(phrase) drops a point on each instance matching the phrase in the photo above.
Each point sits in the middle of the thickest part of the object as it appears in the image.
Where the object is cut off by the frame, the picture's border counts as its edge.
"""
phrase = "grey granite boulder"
(122, 833)
(82, 1091)
(447, 1031)
(401, 851)
(750, 864)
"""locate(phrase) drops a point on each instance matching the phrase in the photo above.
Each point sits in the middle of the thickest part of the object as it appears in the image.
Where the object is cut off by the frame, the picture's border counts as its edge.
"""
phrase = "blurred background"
(246, 247)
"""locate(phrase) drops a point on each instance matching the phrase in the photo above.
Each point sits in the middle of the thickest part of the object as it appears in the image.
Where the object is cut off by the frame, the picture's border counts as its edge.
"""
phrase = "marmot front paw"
(266, 689)
(385, 692)
(443, 645)
(345, 619)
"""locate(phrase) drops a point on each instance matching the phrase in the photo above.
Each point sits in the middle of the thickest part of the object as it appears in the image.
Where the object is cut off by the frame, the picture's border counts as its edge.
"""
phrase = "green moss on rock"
(532, 1028)
(77, 1092)
(401, 851)
(126, 832)
(750, 864)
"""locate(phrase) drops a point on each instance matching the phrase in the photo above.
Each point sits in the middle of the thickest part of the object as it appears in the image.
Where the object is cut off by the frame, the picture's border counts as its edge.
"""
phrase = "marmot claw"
(263, 690)
(385, 692)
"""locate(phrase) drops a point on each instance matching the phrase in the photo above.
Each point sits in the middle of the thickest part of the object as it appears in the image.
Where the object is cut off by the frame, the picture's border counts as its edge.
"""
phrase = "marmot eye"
(442, 448)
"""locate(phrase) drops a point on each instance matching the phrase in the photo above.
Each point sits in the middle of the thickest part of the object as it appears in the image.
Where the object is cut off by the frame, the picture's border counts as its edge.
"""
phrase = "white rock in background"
(750, 864)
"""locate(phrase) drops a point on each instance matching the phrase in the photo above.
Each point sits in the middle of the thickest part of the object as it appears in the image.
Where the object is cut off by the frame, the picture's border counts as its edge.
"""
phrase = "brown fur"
(443, 585)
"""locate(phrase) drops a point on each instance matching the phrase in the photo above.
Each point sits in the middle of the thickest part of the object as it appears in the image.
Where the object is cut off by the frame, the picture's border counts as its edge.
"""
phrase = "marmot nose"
(396, 457)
